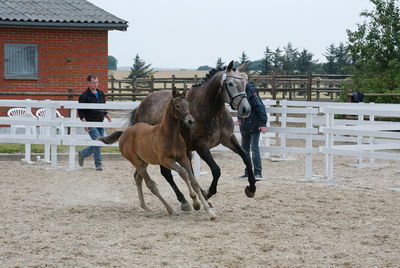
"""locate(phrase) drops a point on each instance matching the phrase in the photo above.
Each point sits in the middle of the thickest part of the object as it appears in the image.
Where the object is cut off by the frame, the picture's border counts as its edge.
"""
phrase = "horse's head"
(233, 85)
(181, 108)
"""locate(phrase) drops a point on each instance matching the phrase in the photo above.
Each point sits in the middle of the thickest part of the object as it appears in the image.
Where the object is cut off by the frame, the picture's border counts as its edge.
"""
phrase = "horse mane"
(209, 75)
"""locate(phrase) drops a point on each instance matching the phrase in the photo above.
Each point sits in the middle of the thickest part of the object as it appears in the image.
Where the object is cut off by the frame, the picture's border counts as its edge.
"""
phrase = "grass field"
(11, 148)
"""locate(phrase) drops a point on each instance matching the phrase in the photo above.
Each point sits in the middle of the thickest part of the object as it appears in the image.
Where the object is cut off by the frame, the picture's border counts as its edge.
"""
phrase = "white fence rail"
(50, 123)
(362, 135)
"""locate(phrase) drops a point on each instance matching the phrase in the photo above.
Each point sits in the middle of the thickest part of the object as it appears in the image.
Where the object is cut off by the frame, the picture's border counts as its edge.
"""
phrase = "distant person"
(92, 95)
(357, 97)
(251, 127)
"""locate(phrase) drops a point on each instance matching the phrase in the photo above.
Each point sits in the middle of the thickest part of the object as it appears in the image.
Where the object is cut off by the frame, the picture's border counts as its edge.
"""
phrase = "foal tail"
(115, 135)
(111, 138)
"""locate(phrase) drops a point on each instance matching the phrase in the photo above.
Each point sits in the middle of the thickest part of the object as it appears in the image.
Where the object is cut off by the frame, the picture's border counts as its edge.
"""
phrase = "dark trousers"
(251, 142)
(94, 133)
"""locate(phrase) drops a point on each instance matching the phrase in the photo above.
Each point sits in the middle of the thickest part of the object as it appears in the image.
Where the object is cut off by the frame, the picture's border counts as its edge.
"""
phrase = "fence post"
(309, 145)
(46, 131)
(28, 129)
(282, 136)
(151, 83)
(133, 87)
(112, 87)
(309, 85)
(273, 90)
(329, 123)
(173, 81)
(72, 148)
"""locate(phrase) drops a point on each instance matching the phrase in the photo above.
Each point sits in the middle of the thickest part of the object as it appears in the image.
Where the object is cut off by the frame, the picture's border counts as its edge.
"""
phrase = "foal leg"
(184, 175)
(186, 164)
(185, 205)
(153, 188)
(139, 180)
(233, 144)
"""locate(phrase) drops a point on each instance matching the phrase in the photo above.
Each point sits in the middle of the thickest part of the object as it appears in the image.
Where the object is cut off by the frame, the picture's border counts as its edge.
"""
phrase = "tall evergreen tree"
(330, 55)
(219, 63)
(277, 60)
(267, 61)
(305, 62)
(338, 59)
(243, 58)
(343, 59)
(140, 68)
(289, 59)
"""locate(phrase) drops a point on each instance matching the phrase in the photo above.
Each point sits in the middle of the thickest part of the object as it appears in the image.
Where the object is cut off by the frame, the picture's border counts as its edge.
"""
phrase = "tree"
(277, 60)
(289, 59)
(338, 60)
(330, 55)
(267, 61)
(140, 68)
(112, 63)
(243, 58)
(343, 59)
(305, 62)
(220, 64)
(375, 48)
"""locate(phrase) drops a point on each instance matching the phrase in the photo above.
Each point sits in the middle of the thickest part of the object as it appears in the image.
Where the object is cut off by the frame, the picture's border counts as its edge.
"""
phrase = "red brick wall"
(66, 57)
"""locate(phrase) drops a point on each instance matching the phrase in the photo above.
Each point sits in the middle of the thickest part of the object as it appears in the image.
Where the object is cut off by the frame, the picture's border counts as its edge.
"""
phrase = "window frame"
(20, 75)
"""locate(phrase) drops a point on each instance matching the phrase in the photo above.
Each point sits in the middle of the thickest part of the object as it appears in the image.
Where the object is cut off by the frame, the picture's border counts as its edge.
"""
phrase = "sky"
(187, 33)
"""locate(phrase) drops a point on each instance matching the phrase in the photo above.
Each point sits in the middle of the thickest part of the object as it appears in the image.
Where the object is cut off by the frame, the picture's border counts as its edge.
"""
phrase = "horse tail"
(111, 138)
(132, 117)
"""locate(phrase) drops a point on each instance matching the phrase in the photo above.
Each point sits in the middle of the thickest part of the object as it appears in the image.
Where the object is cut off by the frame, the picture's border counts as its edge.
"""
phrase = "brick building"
(51, 46)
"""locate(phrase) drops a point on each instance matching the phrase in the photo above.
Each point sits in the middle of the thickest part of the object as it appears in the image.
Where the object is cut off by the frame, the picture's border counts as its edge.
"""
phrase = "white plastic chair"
(41, 113)
(20, 112)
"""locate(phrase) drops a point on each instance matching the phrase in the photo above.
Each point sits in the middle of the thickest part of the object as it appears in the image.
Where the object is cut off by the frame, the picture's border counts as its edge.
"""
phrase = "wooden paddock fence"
(302, 87)
(309, 87)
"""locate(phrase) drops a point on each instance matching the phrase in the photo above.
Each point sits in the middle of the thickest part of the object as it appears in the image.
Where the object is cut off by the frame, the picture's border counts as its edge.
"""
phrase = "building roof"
(57, 13)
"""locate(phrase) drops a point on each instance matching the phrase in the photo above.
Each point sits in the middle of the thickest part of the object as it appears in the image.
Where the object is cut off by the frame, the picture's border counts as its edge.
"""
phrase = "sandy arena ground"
(85, 218)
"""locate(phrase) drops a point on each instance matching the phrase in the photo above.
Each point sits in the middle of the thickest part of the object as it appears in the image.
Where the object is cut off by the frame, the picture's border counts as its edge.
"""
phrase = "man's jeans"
(251, 141)
(94, 133)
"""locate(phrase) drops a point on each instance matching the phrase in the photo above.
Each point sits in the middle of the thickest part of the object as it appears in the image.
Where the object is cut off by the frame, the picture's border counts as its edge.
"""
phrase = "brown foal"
(162, 144)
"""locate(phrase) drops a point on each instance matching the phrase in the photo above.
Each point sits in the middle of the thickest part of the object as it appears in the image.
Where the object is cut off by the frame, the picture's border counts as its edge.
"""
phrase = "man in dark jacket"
(92, 95)
(251, 127)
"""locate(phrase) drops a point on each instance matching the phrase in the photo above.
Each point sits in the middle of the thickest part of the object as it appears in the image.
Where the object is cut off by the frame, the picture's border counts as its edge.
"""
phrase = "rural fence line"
(361, 135)
(309, 87)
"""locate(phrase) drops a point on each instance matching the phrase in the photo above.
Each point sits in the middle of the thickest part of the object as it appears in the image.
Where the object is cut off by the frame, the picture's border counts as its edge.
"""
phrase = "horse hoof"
(186, 207)
(196, 207)
(173, 213)
(248, 192)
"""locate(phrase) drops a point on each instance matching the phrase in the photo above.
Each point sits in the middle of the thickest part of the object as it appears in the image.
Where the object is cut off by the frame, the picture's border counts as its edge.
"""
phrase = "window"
(21, 61)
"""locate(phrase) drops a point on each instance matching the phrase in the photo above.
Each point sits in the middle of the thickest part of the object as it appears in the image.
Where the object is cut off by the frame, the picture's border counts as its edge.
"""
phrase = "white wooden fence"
(299, 120)
(50, 123)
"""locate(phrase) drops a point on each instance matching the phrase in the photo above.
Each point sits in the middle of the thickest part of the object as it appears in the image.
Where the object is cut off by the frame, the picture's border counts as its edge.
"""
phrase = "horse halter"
(241, 95)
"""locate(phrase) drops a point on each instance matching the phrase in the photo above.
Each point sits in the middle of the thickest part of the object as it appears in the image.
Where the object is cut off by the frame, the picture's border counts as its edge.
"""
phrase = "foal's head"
(180, 107)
